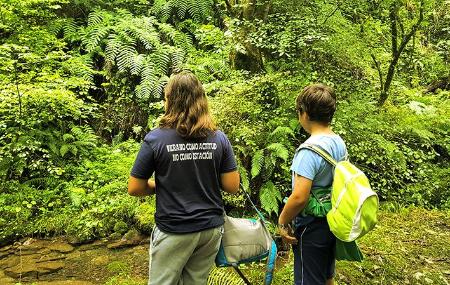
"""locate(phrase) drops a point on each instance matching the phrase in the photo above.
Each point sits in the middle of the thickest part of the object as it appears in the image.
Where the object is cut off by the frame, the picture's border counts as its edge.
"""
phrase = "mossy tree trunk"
(248, 10)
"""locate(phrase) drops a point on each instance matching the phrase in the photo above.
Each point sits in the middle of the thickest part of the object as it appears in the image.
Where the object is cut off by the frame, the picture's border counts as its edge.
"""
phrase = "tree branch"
(332, 13)
(414, 29)
(393, 19)
(380, 73)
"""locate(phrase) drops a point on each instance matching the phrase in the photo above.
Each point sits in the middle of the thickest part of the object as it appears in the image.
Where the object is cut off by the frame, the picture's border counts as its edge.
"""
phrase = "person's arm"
(140, 187)
(295, 204)
(230, 182)
(139, 183)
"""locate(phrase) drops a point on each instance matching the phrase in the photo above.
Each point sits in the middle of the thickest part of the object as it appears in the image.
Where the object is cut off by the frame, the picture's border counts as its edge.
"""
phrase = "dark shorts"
(314, 255)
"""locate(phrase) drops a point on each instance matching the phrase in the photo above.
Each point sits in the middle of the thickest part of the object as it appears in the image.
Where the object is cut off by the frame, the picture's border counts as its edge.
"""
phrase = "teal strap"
(260, 215)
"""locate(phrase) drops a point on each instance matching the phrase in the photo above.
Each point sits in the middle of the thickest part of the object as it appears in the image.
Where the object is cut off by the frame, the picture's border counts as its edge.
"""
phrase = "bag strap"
(236, 267)
(260, 215)
(323, 153)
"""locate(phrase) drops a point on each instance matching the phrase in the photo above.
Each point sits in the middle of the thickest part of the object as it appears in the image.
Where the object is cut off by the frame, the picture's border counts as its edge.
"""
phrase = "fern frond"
(94, 37)
(112, 48)
(73, 149)
(68, 137)
(158, 90)
(278, 150)
(70, 29)
(198, 10)
(178, 58)
(124, 14)
(269, 166)
(64, 149)
(137, 64)
(125, 57)
(95, 18)
(257, 163)
(269, 196)
(148, 73)
(161, 59)
(174, 37)
(41, 182)
(280, 132)
(244, 177)
(144, 31)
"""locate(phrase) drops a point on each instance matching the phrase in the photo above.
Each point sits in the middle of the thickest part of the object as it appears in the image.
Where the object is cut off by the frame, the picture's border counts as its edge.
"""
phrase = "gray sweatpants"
(182, 259)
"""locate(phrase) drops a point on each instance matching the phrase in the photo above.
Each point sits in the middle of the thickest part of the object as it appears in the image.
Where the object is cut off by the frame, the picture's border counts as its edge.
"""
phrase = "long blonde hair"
(187, 108)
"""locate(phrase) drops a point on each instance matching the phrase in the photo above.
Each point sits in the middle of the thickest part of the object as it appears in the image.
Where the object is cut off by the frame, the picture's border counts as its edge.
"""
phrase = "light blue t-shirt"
(312, 166)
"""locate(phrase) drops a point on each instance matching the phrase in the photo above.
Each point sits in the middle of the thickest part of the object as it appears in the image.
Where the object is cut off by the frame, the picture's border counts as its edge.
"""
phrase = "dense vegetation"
(82, 81)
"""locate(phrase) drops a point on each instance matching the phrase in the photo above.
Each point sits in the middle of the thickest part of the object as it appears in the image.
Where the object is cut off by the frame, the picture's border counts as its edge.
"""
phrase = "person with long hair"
(192, 162)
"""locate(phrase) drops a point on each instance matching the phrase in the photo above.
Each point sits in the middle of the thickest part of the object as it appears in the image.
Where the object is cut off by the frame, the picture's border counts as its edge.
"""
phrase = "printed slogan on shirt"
(191, 151)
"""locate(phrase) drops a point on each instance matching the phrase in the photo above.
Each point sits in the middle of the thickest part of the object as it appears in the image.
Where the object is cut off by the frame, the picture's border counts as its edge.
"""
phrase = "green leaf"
(257, 163)
(64, 149)
(269, 196)
(278, 150)
(244, 178)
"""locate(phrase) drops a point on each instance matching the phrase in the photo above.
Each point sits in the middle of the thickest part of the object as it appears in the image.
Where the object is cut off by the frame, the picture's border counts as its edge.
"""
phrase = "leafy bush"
(97, 197)
(39, 134)
(402, 152)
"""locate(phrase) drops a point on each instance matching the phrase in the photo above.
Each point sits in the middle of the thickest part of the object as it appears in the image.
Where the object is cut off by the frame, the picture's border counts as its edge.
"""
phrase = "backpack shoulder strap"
(323, 153)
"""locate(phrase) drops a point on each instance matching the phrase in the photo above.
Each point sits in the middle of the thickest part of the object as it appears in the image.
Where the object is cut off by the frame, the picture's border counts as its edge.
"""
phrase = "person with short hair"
(191, 161)
(312, 241)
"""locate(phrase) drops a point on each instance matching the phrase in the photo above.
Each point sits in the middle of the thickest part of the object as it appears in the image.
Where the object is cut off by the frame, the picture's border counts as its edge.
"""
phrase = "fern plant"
(139, 52)
(264, 163)
(78, 142)
(198, 10)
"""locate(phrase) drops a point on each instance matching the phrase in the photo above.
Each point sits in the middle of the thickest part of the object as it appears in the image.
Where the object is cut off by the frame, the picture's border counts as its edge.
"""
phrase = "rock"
(132, 237)
(5, 248)
(115, 236)
(4, 254)
(22, 270)
(30, 246)
(93, 245)
(4, 279)
(73, 255)
(31, 266)
(60, 247)
(100, 260)
(49, 267)
(10, 261)
(51, 257)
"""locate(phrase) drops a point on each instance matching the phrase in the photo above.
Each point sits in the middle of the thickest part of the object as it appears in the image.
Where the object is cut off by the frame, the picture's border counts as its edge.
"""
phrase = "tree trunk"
(252, 59)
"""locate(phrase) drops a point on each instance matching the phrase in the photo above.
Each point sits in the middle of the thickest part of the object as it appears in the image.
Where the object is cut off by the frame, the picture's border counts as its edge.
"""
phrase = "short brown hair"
(318, 101)
(187, 108)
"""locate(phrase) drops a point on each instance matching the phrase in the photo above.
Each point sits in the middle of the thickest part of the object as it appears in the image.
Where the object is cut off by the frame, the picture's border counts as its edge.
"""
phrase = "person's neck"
(320, 129)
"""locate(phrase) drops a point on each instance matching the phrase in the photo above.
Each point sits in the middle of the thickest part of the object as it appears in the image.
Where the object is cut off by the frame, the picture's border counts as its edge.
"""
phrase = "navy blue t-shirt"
(187, 176)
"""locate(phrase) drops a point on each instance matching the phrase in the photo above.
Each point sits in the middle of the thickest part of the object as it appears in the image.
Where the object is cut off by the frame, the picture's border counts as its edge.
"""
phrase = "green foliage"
(177, 10)
(296, 37)
(38, 130)
(223, 276)
(270, 197)
(399, 149)
(97, 197)
(78, 74)
(135, 46)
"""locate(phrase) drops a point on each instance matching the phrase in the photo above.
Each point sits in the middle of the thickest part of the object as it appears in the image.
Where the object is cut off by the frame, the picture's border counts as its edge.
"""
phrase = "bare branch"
(414, 29)
(332, 13)
(380, 73)
(393, 18)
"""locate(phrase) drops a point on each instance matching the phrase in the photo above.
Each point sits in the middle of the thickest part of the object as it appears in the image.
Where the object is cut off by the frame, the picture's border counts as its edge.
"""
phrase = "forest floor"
(410, 246)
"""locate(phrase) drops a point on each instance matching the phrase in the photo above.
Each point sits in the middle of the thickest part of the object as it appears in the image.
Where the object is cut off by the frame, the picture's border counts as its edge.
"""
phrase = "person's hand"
(287, 234)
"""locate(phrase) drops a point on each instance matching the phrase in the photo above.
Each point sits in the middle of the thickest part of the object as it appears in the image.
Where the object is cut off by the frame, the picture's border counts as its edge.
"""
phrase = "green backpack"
(354, 205)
